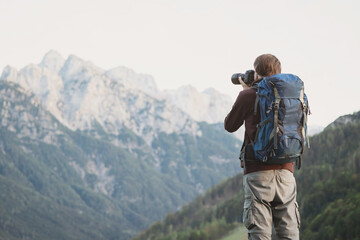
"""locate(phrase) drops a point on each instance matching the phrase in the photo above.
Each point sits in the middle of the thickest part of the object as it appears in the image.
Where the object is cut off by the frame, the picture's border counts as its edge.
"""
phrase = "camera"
(247, 77)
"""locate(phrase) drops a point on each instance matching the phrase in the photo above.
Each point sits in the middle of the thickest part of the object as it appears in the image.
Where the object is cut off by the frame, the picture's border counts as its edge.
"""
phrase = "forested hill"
(329, 182)
(328, 194)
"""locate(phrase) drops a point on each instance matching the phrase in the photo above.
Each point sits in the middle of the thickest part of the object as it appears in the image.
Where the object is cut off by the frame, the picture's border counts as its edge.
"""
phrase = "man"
(270, 189)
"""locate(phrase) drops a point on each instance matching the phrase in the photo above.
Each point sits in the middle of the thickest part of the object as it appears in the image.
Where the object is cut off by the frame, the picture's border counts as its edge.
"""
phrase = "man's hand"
(243, 84)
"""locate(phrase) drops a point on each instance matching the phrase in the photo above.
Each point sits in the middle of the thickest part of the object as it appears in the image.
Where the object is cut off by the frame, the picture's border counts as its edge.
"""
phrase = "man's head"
(267, 65)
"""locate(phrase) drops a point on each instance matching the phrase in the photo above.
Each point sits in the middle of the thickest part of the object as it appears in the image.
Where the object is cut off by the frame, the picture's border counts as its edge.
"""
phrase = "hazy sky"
(198, 42)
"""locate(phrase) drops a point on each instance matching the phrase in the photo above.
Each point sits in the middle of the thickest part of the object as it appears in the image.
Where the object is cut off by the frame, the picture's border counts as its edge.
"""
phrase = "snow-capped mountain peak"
(80, 94)
(75, 67)
(53, 61)
(210, 105)
(130, 79)
(10, 73)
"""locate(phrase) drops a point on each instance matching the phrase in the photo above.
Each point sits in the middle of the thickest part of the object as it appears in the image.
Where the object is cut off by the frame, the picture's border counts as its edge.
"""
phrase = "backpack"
(282, 132)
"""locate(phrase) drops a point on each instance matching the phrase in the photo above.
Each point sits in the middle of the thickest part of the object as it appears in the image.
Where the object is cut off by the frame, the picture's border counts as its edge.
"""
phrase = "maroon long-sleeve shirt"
(243, 111)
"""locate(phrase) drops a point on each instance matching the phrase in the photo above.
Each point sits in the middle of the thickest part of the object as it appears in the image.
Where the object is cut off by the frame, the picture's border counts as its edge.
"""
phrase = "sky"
(198, 42)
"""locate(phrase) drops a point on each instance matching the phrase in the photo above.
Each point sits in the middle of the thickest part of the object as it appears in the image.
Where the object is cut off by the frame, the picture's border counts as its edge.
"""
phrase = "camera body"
(247, 77)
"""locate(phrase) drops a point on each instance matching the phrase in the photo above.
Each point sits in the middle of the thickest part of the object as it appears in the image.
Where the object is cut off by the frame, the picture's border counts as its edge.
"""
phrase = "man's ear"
(257, 76)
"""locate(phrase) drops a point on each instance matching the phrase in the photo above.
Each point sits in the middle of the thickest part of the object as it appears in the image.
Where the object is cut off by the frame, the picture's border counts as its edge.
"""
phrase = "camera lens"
(235, 78)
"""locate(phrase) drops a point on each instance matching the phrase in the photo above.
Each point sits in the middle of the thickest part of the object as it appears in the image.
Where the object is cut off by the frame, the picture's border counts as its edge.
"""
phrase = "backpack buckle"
(276, 105)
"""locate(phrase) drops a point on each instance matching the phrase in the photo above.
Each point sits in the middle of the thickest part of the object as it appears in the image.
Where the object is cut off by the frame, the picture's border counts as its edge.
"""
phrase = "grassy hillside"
(328, 194)
(239, 233)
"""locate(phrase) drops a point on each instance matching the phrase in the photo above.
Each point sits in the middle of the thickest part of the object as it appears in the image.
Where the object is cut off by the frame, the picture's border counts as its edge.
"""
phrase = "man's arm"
(235, 119)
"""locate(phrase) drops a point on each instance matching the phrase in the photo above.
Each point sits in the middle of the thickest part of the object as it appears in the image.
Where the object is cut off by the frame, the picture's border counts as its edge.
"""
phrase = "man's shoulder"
(248, 92)
(246, 96)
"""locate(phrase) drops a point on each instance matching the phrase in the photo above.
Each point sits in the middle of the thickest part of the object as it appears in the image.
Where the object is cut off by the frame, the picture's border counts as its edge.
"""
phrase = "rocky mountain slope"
(108, 104)
(78, 93)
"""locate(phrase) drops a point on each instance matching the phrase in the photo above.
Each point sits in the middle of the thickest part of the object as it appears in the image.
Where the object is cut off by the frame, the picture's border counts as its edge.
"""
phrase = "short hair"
(267, 65)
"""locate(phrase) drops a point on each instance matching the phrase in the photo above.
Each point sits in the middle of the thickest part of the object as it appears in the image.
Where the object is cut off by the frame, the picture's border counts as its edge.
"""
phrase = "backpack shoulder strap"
(255, 86)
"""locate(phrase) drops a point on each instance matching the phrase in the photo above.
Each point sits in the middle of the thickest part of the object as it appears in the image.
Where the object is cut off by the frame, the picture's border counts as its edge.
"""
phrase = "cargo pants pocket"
(248, 215)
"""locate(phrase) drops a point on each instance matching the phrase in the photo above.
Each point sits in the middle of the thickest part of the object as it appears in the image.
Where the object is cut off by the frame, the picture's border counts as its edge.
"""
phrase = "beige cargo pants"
(270, 201)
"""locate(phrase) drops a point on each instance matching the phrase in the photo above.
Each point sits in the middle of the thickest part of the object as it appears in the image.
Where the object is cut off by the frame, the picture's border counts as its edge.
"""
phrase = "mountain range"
(92, 154)
(78, 93)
